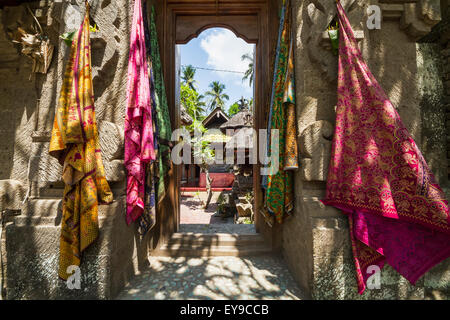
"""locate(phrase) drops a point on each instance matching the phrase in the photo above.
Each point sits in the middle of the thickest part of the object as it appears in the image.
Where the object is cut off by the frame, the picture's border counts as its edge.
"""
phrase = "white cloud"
(224, 52)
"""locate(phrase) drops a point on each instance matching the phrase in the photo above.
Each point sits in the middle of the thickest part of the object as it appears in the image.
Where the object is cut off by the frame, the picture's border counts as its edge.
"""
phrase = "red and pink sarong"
(397, 212)
(139, 146)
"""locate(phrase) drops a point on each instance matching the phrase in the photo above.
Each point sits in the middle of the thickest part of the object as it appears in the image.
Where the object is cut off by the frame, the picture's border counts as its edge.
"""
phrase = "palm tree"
(188, 76)
(249, 72)
(217, 95)
(201, 106)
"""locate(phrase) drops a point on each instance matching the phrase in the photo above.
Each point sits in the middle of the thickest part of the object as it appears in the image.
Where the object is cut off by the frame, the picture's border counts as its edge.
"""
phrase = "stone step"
(204, 245)
(213, 251)
(217, 239)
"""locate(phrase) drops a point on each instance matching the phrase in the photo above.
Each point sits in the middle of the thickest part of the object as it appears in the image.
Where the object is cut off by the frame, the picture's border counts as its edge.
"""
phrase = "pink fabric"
(397, 212)
(139, 147)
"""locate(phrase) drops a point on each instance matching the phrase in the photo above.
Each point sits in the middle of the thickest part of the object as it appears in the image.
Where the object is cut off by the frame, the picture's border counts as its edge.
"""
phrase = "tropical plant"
(333, 33)
(233, 109)
(203, 153)
(188, 76)
(239, 106)
(68, 36)
(249, 73)
(191, 100)
(202, 106)
(217, 97)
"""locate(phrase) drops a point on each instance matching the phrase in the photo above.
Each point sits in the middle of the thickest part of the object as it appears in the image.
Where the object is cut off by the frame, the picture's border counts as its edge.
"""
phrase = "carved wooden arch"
(255, 21)
(196, 34)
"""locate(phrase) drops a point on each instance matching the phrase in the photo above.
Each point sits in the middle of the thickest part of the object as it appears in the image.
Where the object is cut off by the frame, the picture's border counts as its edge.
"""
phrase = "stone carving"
(12, 193)
(112, 146)
(315, 146)
(44, 168)
(417, 18)
(320, 13)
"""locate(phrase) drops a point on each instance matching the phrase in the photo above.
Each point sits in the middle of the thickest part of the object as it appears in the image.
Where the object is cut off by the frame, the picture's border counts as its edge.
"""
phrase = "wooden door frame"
(228, 14)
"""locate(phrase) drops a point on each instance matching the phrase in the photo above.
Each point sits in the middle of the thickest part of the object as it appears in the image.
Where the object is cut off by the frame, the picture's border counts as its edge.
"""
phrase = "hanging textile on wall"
(274, 82)
(148, 219)
(397, 212)
(162, 112)
(139, 144)
(75, 144)
(279, 197)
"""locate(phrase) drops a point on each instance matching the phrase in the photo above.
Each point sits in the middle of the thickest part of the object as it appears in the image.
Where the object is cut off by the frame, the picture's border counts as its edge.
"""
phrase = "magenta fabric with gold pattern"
(397, 212)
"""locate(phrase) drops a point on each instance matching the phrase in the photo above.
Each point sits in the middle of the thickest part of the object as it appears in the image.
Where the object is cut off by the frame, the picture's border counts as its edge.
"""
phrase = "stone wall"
(444, 39)
(316, 241)
(31, 240)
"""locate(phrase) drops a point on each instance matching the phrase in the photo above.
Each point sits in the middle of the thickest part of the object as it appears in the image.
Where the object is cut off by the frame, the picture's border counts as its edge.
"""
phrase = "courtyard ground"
(192, 212)
(212, 277)
(226, 278)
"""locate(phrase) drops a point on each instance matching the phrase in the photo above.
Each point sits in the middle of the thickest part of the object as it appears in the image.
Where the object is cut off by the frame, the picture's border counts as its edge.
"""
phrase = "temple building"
(407, 50)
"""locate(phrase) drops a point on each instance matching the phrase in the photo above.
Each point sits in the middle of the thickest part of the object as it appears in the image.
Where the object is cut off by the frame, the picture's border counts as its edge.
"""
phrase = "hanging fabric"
(279, 197)
(148, 218)
(162, 112)
(274, 82)
(139, 145)
(75, 144)
(397, 212)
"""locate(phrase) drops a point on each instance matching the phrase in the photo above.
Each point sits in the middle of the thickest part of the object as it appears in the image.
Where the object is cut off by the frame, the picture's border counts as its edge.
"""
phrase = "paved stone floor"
(192, 212)
(230, 228)
(234, 278)
(227, 278)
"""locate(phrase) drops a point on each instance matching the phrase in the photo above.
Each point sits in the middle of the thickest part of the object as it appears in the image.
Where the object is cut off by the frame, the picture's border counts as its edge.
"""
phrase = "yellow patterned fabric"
(75, 144)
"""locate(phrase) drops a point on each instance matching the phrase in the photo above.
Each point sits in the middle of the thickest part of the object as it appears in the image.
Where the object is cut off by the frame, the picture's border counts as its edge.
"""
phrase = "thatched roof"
(239, 120)
(217, 115)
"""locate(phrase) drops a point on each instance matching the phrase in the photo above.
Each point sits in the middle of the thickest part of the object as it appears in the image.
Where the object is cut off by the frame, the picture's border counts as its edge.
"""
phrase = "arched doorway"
(216, 96)
(180, 21)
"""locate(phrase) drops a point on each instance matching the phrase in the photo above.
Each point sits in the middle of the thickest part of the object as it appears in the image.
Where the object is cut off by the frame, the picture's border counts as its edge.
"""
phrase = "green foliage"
(334, 38)
(247, 220)
(249, 196)
(68, 36)
(201, 146)
(191, 100)
(217, 97)
(188, 76)
(333, 33)
(234, 108)
(221, 203)
(240, 105)
(249, 73)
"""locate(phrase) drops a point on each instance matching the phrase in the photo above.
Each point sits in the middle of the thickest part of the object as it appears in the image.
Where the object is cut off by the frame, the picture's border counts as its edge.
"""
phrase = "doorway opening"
(216, 90)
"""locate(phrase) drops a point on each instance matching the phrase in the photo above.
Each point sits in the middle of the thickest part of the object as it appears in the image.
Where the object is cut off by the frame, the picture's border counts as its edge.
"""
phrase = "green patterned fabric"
(279, 198)
(162, 111)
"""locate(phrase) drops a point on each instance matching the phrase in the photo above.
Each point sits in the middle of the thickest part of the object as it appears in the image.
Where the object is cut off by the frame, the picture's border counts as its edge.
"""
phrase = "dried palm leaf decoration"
(37, 47)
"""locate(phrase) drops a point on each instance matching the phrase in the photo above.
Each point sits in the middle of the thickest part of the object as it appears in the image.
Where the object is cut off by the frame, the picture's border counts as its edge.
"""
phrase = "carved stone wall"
(444, 40)
(27, 108)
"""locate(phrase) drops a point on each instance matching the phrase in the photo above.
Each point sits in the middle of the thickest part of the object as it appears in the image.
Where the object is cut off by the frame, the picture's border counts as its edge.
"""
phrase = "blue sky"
(219, 48)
